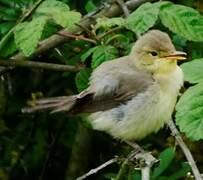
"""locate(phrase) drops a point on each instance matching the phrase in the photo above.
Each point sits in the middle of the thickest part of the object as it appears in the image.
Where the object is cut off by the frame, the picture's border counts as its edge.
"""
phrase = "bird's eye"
(154, 53)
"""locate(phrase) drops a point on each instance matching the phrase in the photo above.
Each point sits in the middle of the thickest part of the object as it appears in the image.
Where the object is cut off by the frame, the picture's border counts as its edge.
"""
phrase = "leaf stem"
(81, 37)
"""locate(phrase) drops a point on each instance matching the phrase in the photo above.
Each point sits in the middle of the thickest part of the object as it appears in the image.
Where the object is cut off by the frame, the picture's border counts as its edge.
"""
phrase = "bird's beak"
(177, 55)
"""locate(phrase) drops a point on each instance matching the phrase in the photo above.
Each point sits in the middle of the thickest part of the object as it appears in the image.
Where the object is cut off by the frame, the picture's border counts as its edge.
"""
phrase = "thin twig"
(89, 32)
(185, 150)
(124, 7)
(123, 171)
(81, 37)
(109, 32)
(138, 155)
(87, 21)
(94, 171)
(42, 65)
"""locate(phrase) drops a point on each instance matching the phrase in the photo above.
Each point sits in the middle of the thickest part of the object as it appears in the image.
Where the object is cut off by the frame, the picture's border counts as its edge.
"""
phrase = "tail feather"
(56, 104)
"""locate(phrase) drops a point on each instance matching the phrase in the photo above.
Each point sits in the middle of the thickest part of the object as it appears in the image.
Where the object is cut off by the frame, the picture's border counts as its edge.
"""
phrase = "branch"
(81, 37)
(185, 150)
(124, 7)
(55, 40)
(41, 65)
(137, 156)
(94, 171)
(109, 11)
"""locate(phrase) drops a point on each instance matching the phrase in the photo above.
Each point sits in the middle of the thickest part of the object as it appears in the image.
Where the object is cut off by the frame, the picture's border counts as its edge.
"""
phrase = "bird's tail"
(55, 104)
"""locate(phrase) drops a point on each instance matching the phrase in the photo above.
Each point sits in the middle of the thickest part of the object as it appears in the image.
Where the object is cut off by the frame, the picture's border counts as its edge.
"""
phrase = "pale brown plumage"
(144, 80)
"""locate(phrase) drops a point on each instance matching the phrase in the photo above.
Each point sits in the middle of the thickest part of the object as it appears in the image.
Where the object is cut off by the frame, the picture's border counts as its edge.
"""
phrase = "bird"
(132, 96)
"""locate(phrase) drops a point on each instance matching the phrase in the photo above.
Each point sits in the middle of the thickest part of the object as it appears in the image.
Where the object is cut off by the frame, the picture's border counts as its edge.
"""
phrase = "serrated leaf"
(67, 19)
(189, 115)
(165, 158)
(82, 79)
(103, 53)
(28, 34)
(193, 71)
(59, 12)
(52, 7)
(109, 22)
(143, 18)
(182, 20)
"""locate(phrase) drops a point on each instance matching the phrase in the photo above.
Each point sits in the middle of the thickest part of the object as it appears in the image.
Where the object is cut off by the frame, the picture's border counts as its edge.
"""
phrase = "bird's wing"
(112, 84)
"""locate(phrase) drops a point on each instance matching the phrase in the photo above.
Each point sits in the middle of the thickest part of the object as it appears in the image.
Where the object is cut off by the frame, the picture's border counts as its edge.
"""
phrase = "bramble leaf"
(51, 7)
(28, 34)
(189, 115)
(82, 79)
(59, 12)
(193, 71)
(87, 54)
(182, 20)
(143, 18)
(103, 53)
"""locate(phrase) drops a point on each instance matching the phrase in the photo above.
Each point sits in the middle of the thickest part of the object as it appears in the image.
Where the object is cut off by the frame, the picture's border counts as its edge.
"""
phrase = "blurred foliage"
(54, 146)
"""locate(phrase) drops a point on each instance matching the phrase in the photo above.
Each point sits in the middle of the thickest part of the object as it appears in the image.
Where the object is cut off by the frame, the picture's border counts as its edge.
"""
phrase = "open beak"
(177, 55)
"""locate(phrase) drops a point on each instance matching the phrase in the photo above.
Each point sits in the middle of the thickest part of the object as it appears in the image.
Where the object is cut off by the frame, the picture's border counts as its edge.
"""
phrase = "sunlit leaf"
(51, 7)
(28, 34)
(143, 18)
(189, 115)
(183, 20)
(193, 70)
(59, 12)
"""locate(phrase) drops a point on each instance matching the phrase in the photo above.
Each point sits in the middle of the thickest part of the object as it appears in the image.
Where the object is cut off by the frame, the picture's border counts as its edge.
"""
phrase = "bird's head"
(155, 52)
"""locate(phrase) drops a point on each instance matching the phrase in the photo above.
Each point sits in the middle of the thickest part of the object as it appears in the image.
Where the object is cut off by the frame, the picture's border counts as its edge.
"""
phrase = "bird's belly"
(144, 114)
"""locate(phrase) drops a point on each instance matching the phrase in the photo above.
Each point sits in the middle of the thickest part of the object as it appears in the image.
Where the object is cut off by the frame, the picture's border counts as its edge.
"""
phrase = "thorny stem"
(185, 150)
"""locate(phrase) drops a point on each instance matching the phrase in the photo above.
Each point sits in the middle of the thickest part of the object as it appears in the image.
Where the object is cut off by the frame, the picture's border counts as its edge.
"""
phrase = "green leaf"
(5, 27)
(51, 7)
(8, 49)
(67, 19)
(189, 115)
(90, 6)
(193, 71)
(82, 79)
(165, 158)
(87, 54)
(59, 12)
(143, 18)
(182, 20)
(28, 34)
(109, 22)
(103, 53)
